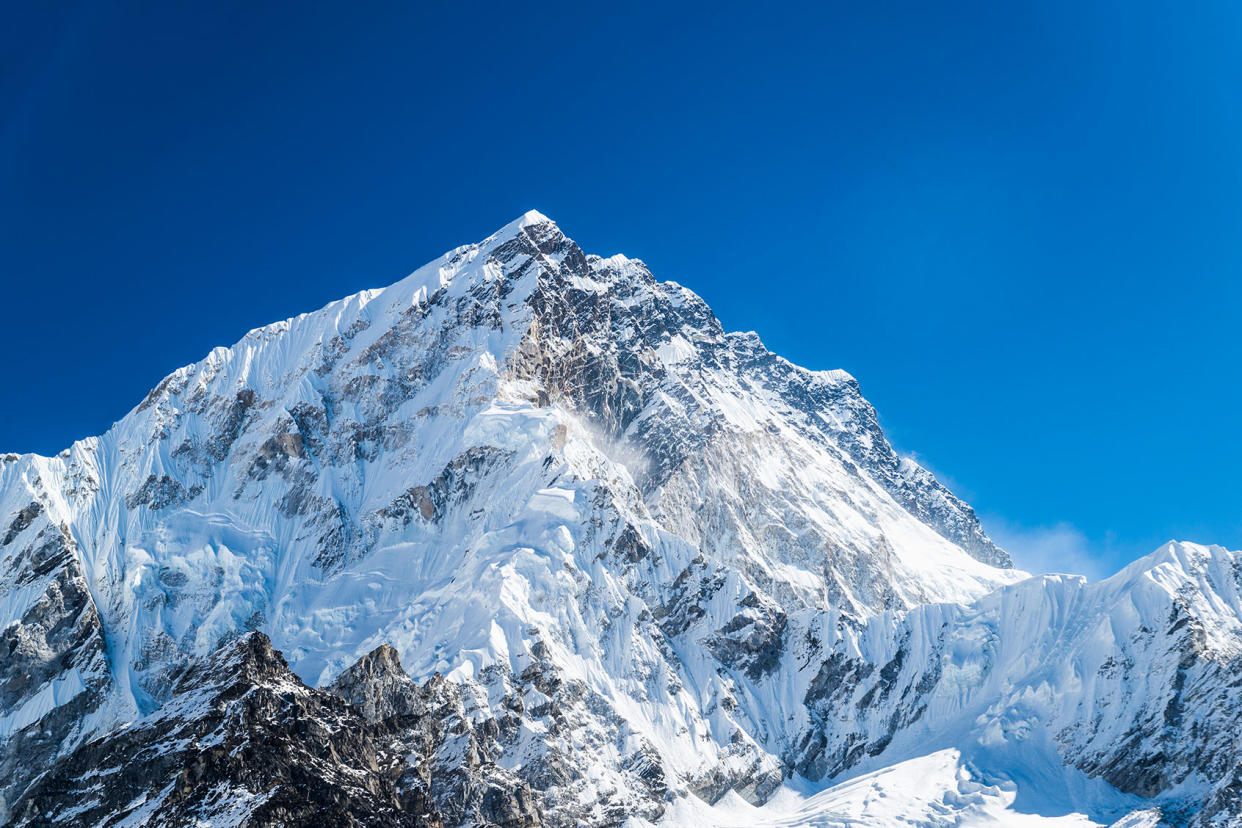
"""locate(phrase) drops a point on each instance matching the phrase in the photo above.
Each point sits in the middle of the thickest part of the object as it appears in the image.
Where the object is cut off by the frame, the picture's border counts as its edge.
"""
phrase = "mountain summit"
(562, 551)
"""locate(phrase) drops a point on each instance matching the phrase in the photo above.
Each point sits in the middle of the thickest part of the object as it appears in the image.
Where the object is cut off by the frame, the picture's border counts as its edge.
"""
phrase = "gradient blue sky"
(1016, 224)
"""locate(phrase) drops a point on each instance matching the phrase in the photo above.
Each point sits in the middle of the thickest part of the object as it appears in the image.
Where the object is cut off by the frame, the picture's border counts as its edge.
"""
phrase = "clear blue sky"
(1017, 224)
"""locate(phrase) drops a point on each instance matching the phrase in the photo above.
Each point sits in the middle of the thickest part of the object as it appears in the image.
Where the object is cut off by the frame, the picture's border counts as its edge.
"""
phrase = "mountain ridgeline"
(528, 539)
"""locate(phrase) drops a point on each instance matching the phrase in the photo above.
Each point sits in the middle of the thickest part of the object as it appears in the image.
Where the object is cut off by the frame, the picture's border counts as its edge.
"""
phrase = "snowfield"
(934, 790)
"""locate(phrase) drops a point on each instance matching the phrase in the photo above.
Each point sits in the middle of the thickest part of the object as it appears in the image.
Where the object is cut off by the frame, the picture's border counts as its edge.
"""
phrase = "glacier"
(575, 554)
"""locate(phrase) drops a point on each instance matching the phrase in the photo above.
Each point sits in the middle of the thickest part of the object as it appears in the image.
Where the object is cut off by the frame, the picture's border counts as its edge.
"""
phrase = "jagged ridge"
(647, 557)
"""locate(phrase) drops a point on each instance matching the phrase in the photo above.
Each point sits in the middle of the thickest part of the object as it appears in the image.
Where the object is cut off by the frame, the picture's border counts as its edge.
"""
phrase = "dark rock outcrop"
(450, 757)
(242, 741)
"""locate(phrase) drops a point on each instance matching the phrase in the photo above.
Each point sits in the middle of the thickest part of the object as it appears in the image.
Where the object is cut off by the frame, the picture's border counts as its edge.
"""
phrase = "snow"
(403, 475)
(938, 789)
(51, 695)
(676, 349)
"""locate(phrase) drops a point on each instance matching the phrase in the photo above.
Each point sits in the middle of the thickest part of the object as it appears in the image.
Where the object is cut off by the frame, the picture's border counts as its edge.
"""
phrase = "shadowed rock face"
(449, 755)
(241, 739)
(598, 351)
(53, 657)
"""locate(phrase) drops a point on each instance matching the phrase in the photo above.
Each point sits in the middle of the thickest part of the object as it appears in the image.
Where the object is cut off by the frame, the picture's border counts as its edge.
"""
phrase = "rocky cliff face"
(451, 741)
(565, 552)
(240, 740)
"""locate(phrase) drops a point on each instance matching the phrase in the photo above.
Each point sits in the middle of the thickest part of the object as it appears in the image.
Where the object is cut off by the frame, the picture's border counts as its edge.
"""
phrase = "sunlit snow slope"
(654, 561)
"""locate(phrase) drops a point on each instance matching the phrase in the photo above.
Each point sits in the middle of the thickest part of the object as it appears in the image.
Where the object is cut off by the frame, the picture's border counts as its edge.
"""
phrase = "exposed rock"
(53, 662)
(20, 521)
(160, 493)
(242, 742)
(451, 755)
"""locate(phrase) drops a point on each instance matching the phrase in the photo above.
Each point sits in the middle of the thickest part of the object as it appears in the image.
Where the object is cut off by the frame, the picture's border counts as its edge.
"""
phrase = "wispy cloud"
(1060, 548)
(1057, 548)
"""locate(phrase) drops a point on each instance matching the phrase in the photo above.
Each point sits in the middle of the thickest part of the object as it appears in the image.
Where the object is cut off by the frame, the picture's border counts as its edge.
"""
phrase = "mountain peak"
(618, 550)
(534, 217)
(531, 218)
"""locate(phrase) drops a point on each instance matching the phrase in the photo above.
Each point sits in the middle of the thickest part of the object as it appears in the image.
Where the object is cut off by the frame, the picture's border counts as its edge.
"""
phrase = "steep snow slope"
(1131, 681)
(1052, 701)
(655, 557)
(939, 789)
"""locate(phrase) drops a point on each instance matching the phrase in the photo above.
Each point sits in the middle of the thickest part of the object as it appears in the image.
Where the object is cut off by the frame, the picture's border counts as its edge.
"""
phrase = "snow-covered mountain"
(541, 544)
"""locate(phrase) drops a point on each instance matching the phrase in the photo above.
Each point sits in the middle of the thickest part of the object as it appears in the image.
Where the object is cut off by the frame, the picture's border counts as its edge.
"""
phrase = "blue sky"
(1017, 224)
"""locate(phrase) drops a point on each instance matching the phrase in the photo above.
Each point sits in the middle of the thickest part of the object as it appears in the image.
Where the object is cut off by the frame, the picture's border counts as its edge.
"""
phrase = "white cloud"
(1060, 548)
